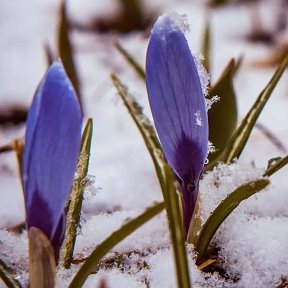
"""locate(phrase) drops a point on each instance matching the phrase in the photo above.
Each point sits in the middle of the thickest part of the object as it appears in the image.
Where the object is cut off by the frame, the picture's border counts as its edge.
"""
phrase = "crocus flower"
(50, 153)
(178, 106)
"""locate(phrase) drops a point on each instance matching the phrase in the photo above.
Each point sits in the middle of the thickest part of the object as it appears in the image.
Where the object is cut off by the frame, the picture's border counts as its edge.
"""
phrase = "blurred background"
(92, 37)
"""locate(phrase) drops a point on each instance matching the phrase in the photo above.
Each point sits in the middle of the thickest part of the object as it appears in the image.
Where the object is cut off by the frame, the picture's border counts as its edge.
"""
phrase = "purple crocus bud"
(178, 106)
(51, 149)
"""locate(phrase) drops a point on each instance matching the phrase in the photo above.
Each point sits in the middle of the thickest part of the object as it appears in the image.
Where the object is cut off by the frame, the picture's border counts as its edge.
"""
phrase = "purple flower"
(178, 106)
(51, 149)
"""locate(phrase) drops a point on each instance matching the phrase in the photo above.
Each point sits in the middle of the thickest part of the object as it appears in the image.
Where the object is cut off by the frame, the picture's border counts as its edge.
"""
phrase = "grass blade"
(176, 230)
(240, 137)
(222, 116)
(206, 46)
(130, 59)
(103, 248)
(6, 276)
(14, 114)
(166, 181)
(224, 209)
(270, 135)
(275, 164)
(18, 146)
(6, 148)
(74, 204)
(145, 127)
(48, 54)
(66, 52)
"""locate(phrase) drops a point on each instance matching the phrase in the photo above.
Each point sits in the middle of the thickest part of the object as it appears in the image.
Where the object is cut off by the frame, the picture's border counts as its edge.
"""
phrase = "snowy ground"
(253, 239)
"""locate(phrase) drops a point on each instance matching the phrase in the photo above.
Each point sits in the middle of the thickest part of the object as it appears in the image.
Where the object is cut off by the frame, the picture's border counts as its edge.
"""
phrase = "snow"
(140, 240)
(223, 180)
(203, 75)
(197, 115)
(178, 22)
(210, 102)
(253, 239)
(14, 253)
(255, 250)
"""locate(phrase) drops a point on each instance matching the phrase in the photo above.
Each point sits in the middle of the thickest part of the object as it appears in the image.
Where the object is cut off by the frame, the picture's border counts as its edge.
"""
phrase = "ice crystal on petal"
(203, 74)
(211, 101)
(198, 118)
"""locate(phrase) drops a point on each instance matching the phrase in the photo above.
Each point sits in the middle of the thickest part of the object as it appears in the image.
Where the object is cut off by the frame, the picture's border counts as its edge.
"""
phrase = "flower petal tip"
(51, 149)
(176, 97)
(171, 22)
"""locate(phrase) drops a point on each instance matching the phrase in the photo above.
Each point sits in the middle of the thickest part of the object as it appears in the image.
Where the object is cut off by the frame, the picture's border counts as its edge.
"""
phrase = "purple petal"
(176, 100)
(58, 237)
(51, 150)
(178, 107)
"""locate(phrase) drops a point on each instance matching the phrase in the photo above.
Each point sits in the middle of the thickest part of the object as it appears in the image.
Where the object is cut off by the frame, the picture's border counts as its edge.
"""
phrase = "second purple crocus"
(178, 106)
(50, 155)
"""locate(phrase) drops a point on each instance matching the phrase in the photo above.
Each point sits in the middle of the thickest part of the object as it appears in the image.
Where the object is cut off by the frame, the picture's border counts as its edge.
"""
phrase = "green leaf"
(103, 248)
(74, 204)
(66, 52)
(275, 164)
(18, 147)
(222, 116)
(130, 59)
(206, 46)
(224, 209)
(195, 224)
(241, 136)
(166, 181)
(146, 129)
(176, 230)
(6, 274)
